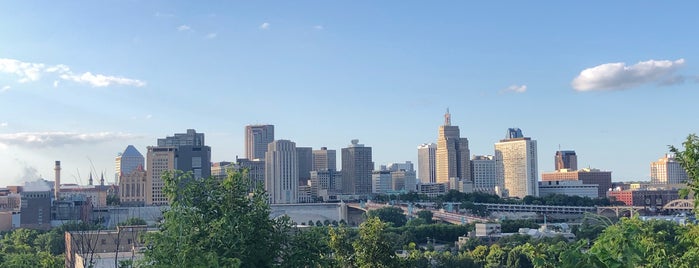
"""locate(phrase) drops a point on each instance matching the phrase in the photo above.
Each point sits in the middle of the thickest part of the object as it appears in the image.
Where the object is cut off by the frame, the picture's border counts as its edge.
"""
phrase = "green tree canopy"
(215, 223)
(393, 215)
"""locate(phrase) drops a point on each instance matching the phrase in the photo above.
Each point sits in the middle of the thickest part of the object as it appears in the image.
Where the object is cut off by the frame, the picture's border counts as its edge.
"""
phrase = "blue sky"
(81, 80)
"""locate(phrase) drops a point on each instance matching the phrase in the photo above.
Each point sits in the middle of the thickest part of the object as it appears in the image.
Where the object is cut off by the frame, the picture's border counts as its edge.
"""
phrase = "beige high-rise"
(160, 159)
(452, 156)
(516, 163)
(667, 171)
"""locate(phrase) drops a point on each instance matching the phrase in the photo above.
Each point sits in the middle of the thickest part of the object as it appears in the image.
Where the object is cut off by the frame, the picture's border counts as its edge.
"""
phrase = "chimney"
(57, 182)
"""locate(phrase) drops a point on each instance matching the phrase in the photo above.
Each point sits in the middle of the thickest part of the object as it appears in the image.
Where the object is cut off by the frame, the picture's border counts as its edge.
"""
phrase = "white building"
(426, 162)
(572, 188)
(485, 177)
(516, 163)
(667, 171)
(281, 172)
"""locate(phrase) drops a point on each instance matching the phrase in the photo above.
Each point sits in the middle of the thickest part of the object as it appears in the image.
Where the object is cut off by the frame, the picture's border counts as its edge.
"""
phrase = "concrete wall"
(304, 212)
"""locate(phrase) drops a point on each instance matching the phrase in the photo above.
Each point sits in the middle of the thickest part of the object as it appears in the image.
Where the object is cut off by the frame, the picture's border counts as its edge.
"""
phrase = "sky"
(616, 81)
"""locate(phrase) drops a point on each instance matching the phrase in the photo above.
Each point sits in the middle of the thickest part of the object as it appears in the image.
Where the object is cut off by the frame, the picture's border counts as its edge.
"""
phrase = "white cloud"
(5, 88)
(53, 139)
(615, 76)
(318, 27)
(149, 116)
(28, 71)
(98, 80)
(515, 89)
(183, 28)
(265, 26)
(211, 35)
(3, 124)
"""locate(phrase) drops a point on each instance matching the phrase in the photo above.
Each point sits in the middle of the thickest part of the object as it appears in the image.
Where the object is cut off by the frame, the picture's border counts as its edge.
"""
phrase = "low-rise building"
(571, 188)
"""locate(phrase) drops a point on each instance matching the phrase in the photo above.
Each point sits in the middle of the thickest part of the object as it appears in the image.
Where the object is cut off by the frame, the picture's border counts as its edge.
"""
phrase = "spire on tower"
(447, 118)
(90, 181)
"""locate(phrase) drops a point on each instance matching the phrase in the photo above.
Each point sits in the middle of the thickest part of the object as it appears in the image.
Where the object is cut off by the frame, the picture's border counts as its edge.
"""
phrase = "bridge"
(677, 205)
(536, 208)
(450, 217)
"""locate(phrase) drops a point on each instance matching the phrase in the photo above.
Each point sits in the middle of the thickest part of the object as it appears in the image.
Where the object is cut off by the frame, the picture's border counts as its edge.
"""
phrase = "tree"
(393, 215)
(216, 223)
(372, 248)
(425, 215)
(133, 221)
(689, 160)
(341, 245)
(512, 226)
(308, 248)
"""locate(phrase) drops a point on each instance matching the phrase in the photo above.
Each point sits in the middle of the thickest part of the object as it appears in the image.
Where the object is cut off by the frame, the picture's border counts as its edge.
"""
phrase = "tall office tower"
(256, 139)
(128, 161)
(132, 187)
(281, 172)
(485, 177)
(516, 162)
(566, 160)
(452, 155)
(381, 181)
(305, 162)
(255, 172)
(192, 153)
(160, 160)
(667, 171)
(401, 166)
(356, 169)
(191, 138)
(324, 159)
(426, 162)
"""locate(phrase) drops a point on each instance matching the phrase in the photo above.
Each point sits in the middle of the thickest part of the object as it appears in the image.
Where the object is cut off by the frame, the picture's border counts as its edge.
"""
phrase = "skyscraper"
(452, 154)
(357, 167)
(324, 159)
(256, 139)
(516, 162)
(426, 162)
(667, 171)
(281, 172)
(128, 161)
(160, 160)
(566, 160)
(183, 151)
(191, 137)
(305, 162)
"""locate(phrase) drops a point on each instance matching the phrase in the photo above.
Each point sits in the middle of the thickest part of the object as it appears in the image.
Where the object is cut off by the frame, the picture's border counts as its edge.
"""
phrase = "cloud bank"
(55, 139)
(265, 26)
(30, 72)
(616, 76)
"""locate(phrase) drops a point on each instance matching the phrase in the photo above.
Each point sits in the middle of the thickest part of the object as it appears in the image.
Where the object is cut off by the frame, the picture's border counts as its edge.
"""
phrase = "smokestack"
(57, 182)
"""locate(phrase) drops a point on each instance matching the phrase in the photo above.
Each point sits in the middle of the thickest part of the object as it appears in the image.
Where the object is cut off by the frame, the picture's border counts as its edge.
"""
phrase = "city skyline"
(80, 81)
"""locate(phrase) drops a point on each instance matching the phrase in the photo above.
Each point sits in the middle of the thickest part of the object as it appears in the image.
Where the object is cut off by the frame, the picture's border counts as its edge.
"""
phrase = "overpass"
(450, 217)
